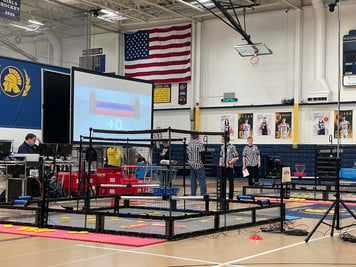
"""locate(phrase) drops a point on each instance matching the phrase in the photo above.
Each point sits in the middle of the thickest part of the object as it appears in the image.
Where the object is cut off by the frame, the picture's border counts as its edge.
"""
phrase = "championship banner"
(10, 9)
(20, 93)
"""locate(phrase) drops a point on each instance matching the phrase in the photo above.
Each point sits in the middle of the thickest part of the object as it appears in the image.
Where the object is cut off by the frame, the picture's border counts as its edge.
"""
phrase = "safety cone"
(256, 237)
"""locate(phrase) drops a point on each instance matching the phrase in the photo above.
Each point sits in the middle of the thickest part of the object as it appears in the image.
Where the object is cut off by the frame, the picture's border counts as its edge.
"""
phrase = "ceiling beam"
(166, 9)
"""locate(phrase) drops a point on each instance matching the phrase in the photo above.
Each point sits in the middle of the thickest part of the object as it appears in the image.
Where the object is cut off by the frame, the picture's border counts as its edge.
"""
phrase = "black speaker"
(274, 167)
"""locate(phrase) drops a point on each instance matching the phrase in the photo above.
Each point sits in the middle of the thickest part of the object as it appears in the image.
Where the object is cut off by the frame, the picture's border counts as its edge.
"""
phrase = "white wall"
(223, 70)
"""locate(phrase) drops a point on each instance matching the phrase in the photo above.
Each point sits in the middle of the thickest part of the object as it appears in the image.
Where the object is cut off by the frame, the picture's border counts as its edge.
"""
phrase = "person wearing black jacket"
(29, 146)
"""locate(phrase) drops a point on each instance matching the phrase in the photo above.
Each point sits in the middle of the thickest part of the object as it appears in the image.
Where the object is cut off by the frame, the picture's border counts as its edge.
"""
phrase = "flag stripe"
(171, 69)
(170, 80)
(160, 54)
(170, 37)
(185, 40)
(173, 28)
(162, 72)
(158, 47)
(159, 64)
(160, 79)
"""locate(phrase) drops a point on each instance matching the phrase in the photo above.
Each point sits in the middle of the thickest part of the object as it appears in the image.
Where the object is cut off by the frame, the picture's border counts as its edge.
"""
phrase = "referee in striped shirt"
(229, 155)
(251, 160)
(197, 170)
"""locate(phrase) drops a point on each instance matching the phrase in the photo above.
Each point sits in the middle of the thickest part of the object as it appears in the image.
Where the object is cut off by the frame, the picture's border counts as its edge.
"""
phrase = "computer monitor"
(47, 150)
(5, 148)
(64, 150)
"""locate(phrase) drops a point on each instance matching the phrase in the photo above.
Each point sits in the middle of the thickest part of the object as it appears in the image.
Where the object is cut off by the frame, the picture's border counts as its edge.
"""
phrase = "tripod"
(335, 224)
(336, 204)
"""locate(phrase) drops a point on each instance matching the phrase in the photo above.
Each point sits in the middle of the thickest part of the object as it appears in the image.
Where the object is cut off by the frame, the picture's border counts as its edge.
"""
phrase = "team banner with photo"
(345, 124)
(245, 122)
(20, 93)
(264, 122)
(227, 123)
(283, 125)
(320, 122)
(161, 55)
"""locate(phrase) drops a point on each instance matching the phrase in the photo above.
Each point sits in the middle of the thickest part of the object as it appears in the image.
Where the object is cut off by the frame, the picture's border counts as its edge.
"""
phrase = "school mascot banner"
(20, 93)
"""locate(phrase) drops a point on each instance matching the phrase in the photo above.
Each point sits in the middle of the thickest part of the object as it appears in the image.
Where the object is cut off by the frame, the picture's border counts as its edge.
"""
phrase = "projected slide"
(113, 109)
(111, 103)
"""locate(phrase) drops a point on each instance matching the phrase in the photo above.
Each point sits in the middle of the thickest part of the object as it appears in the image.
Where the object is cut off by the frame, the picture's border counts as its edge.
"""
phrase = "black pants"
(223, 174)
(253, 174)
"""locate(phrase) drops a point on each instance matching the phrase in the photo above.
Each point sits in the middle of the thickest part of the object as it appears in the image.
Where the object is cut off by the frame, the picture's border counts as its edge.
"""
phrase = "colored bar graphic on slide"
(113, 109)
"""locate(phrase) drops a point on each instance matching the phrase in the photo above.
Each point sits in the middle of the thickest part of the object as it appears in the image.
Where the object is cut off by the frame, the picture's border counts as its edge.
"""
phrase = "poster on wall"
(283, 125)
(245, 124)
(320, 123)
(20, 92)
(227, 123)
(264, 122)
(162, 93)
(182, 93)
(344, 127)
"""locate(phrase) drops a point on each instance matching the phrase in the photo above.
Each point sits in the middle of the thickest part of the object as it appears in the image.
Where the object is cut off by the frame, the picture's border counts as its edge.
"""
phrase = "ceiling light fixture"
(190, 4)
(31, 28)
(110, 16)
(35, 22)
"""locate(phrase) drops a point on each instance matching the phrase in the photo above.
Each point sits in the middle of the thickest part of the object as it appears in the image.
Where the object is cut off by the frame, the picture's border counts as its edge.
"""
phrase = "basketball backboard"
(249, 50)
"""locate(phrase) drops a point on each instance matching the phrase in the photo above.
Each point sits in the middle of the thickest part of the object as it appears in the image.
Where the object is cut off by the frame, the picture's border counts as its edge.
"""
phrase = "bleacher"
(289, 156)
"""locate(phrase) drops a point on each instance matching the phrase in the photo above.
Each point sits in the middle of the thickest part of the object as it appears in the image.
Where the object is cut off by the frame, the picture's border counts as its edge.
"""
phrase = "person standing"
(229, 155)
(344, 127)
(247, 129)
(197, 171)
(284, 129)
(29, 146)
(164, 155)
(264, 127)
(321, 126)
(251, 160)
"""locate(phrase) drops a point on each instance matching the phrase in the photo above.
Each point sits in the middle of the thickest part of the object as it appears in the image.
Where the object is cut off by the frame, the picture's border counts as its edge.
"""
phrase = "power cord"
(348, 237)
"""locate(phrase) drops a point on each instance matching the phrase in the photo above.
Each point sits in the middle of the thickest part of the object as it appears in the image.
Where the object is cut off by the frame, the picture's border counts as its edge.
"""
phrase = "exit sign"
(229, 99)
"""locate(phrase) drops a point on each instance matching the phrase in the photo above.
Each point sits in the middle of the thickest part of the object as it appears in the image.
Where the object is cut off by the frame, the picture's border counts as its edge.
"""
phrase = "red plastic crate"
(113, 178)
(108, 170)
(99, 178)
(115, 190)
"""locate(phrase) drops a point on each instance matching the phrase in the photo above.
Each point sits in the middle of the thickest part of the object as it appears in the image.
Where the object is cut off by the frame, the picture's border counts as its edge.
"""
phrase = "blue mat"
(291, 218)
(317, 211)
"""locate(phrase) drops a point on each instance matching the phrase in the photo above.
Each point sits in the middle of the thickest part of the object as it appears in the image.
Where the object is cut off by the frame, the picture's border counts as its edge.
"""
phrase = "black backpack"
(56, 189)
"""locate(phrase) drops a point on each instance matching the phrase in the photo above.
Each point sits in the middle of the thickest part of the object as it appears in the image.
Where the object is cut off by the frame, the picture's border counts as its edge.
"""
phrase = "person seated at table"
(30, 145)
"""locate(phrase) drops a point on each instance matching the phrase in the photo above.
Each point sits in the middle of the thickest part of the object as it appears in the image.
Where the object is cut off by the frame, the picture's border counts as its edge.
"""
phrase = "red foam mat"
(80, 236)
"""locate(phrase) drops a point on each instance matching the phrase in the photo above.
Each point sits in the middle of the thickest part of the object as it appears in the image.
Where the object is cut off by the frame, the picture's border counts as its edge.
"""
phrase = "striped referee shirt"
(195, 147)
(251, 153)
(231, 153)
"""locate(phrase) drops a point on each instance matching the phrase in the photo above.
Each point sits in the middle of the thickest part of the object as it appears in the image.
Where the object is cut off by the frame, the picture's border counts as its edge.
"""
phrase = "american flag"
(161, 55)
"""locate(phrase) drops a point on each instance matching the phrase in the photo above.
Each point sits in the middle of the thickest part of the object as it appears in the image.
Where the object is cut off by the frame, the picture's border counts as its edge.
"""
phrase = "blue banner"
(20, 93)
(10, 9)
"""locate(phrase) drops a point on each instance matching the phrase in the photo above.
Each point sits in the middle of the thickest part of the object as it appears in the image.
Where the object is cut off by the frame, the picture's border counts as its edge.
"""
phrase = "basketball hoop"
(255, 59)
(254, 51)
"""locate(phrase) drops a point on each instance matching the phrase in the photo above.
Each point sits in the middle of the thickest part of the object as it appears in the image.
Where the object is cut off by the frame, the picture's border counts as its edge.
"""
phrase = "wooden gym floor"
(230, 248)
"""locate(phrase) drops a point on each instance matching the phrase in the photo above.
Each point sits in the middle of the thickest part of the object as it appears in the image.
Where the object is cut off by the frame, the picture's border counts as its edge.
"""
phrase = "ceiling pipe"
(319, 91)
(15, 48)
(57, 53)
